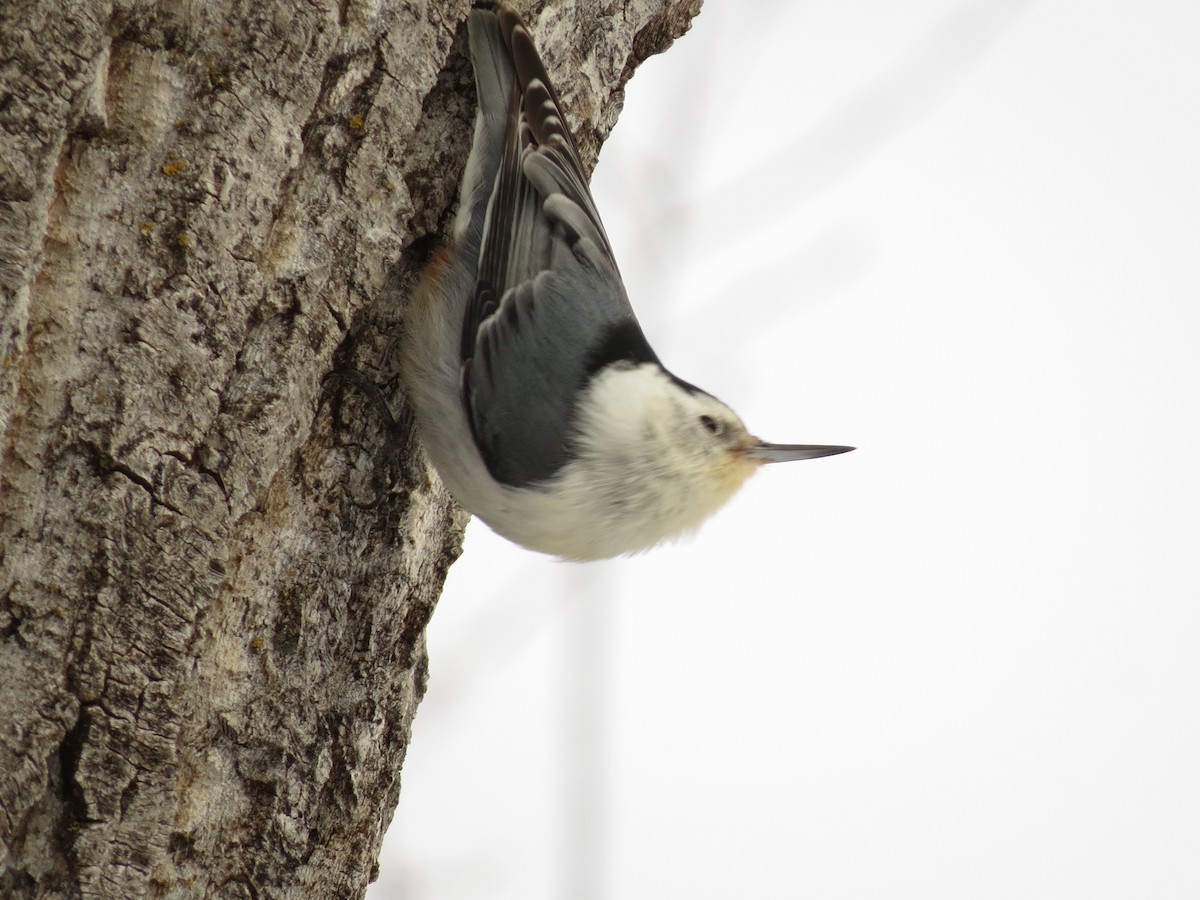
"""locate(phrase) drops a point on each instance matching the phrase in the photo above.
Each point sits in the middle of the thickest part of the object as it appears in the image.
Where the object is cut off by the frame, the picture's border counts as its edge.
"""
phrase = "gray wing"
(549, 308)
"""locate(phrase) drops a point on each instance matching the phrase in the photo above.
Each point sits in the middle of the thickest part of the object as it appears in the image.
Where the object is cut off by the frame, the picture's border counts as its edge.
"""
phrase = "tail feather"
(494, 77)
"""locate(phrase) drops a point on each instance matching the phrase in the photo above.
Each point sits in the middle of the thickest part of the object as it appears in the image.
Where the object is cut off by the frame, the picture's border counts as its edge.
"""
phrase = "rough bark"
(216, 567)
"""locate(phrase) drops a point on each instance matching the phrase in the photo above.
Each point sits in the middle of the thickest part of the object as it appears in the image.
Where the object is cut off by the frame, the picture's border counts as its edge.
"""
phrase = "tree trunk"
(216, 566)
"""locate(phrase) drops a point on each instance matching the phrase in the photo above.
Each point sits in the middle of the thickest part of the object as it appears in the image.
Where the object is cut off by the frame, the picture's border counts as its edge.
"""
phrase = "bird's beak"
(762, 452)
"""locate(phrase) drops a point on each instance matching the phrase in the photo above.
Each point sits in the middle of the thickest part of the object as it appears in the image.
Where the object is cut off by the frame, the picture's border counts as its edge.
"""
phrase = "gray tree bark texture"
(216, 564)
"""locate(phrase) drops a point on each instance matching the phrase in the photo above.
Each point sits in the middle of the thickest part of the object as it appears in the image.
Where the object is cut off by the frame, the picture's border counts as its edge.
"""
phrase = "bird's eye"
(713, 426)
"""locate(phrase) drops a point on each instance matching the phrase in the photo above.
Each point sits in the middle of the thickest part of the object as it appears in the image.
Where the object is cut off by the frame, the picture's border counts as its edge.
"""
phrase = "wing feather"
(548, 308)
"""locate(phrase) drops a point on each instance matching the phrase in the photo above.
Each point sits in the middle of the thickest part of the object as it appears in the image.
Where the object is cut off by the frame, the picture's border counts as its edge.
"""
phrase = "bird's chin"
(745, 457)
(742, 464)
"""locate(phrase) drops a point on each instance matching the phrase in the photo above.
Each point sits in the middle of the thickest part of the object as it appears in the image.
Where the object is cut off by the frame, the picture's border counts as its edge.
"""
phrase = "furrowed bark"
(216, 564)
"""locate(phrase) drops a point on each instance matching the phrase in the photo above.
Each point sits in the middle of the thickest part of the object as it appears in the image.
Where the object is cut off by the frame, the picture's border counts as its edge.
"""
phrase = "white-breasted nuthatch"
(538, 399)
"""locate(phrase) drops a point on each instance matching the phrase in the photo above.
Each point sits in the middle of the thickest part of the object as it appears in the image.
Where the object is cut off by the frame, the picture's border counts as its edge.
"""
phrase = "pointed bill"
(773, 453)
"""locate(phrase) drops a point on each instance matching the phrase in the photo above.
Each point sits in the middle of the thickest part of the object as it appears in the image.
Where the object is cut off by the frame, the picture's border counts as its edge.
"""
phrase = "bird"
(537, 397)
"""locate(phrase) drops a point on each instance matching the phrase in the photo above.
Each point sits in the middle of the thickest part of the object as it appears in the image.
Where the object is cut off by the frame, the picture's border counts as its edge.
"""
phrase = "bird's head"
(709, 437)
(663, 449)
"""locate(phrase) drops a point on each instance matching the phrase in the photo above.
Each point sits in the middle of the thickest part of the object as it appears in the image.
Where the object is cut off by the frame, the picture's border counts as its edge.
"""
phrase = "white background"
(961, 662)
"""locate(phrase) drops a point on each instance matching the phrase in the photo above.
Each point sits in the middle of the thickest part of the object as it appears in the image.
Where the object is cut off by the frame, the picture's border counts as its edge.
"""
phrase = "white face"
(711, 430)
(653, 458)
(698, 442)
(643, 423)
